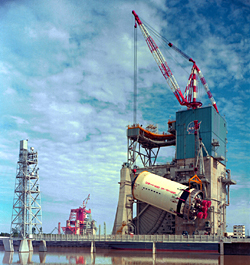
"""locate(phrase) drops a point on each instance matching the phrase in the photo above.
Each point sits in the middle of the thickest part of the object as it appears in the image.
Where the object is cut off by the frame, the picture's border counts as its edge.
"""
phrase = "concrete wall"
(124, 212)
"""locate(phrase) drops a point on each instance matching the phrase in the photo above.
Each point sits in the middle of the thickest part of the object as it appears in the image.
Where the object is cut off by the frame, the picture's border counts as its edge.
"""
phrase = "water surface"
(83, 256)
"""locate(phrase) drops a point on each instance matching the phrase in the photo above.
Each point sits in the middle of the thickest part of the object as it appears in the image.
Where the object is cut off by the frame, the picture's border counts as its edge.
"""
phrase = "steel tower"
(27, 210)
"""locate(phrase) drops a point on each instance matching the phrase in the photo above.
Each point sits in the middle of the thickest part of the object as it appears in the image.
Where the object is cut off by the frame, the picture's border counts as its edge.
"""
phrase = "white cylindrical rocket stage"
(170, 196)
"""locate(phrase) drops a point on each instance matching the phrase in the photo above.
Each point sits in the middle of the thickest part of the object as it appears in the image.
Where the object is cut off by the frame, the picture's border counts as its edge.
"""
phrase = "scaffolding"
(146, 143)
(27, 210)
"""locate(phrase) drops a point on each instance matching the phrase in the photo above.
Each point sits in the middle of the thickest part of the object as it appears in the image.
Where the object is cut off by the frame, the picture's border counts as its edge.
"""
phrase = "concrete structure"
(192, 243)
(27, 210)
(42, 246)
(199, 136)
(8, 245)
(239, 231)
(124, 212)
(25, 245)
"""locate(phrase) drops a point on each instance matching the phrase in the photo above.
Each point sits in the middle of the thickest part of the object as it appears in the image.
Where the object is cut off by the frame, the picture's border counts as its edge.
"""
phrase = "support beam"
(124, 212)
(24, 247)
(154, 248)
(30, 245)
(92, 248)
(8, 245)
(221, 248)
(42, 246)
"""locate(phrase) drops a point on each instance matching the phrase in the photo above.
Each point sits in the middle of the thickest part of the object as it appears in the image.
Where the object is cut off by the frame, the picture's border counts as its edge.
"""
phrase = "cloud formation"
(67, 85)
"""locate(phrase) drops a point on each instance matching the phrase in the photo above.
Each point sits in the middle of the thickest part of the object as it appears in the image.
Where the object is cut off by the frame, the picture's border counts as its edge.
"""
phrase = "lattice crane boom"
(85, 201)
(161, 62)
(190, 95)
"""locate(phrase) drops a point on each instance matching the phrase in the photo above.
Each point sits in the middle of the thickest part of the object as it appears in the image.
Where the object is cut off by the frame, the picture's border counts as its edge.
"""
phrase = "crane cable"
(165, 43)
(165, 71)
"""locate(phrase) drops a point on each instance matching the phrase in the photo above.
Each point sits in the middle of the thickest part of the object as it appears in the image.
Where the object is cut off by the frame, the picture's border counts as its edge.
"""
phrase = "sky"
(67, 84)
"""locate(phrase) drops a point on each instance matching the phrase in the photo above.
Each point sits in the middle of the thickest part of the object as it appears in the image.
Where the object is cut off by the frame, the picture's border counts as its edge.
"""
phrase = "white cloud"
(67, 74)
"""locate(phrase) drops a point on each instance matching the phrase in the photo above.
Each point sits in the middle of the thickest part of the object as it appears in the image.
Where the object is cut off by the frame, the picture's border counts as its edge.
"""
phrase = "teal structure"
(213, 132)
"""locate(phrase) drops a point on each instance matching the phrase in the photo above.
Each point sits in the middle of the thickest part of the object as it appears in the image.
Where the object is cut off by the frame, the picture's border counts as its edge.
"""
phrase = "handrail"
(151, 134)
(136, 238)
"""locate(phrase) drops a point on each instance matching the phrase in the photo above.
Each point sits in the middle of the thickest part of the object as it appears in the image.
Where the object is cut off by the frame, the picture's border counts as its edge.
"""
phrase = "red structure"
(80, 221)
(190, 95)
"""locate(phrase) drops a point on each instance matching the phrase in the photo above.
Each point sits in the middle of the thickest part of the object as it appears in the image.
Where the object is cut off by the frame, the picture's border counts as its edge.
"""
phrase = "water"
(83, 256)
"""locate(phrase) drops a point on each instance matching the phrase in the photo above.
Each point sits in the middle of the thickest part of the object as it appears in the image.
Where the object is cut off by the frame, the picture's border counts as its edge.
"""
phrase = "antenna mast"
(135, 74)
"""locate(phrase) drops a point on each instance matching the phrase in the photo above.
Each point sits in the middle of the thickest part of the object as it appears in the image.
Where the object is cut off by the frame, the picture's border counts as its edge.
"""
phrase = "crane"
(85, 201)
(190, 94)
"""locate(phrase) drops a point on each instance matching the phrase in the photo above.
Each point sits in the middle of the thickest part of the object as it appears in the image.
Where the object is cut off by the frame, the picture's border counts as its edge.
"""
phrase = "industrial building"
(190, 193)
(239, 231)
(203, 154)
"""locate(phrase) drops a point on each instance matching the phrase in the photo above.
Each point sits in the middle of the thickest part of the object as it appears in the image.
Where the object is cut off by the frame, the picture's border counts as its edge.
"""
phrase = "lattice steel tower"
(27, 210)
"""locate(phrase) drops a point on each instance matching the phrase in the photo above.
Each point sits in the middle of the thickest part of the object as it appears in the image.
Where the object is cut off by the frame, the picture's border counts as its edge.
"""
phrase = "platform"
(149, 139)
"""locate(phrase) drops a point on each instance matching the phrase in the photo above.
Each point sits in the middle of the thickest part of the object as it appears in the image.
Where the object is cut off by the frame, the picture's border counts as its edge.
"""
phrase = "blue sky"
(66, 72)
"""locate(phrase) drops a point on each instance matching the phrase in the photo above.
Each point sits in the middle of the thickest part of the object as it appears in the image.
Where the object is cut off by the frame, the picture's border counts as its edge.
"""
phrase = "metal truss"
(147, 155)
(27, 210)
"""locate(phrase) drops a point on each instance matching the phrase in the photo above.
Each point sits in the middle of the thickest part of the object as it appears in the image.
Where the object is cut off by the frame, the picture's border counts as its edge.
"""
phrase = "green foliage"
(4, 234)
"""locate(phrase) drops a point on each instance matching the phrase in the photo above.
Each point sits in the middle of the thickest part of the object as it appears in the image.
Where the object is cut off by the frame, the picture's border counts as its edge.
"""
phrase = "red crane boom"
(190, 95)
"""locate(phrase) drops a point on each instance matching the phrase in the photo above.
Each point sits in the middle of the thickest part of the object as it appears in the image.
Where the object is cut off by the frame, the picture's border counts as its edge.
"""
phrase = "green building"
(213, 132)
